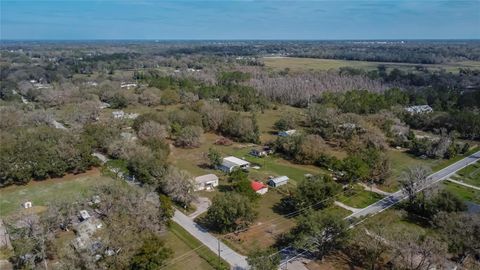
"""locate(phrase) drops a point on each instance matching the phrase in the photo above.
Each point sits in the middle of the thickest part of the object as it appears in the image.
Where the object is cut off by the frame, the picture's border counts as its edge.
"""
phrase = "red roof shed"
(257, 185)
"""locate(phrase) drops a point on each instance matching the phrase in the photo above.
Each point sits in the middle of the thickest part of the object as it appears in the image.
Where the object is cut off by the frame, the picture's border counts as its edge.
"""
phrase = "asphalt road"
(236, 261)
(396, 197)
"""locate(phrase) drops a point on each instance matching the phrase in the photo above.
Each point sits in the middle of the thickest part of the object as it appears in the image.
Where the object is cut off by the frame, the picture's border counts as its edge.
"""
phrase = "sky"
(241, 19)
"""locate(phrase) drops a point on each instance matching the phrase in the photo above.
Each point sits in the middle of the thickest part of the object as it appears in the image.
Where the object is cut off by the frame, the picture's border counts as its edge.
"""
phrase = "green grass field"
(40, 193)
(313, 64)
(468, 194)
(470, 174)
(358, 197)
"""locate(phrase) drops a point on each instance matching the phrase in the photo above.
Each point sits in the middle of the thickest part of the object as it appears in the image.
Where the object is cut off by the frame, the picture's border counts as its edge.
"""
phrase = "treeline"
(440, 89)
(394, 51)
(40, 153)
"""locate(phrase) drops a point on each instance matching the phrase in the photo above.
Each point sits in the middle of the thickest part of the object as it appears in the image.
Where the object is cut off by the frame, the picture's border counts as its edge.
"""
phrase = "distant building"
(287, 133)
(261, 152)
(84, 215)
(123, 115)
(104, 105)
(118, 114)
(259, 187)
(27, 205)
(278, 181)
(229, 164)
(128, 85)
(206, 182)
(85, 232)
(419, 109)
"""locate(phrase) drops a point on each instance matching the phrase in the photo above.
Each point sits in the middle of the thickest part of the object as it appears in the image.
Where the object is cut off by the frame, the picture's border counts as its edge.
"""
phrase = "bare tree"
(413, 180)
(179, 185)
(368, 248)
(152, 129)
(418, 252)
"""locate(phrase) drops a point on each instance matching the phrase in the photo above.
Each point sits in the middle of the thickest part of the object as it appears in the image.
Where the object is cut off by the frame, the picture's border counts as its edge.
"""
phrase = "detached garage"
(278, 181)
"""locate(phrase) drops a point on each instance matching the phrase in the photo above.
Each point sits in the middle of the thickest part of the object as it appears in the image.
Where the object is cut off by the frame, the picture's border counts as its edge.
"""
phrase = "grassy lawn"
(266, 227)
(267, 118)
(337, 211)
(358, 197)
(470, 174)
(183, 245)
(393, 220)
(468, 194)
(305, 64)
(400, 161)
(40, 193)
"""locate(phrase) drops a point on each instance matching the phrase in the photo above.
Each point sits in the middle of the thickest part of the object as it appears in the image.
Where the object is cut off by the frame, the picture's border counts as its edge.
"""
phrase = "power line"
(258, 226)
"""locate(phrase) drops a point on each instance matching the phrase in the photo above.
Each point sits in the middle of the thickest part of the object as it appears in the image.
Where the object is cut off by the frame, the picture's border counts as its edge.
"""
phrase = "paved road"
(236, 261)
(202, 204)
(396, 197)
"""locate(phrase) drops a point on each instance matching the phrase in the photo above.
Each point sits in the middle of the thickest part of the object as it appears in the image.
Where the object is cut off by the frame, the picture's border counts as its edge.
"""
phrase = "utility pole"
(218, 241)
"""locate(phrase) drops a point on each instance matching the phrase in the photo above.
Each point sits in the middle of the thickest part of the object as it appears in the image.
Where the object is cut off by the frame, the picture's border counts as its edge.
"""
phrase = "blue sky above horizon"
(247, 19)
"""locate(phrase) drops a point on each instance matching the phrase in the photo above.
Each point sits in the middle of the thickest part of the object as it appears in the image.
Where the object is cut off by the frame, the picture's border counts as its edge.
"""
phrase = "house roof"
(419, 108)
(287, 132)
(257, 185)
(279, 179)
(206, 178)
(233, 161)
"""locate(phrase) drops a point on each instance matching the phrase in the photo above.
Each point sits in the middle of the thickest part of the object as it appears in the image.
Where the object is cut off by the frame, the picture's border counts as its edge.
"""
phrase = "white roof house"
(419, 109)
(84, 215)
(278, 181)
(231, 163)
(287, 133)
(118, 114)
(104, 105)
(206, 182)
(128, 85)
(27, 205)
(122, 115)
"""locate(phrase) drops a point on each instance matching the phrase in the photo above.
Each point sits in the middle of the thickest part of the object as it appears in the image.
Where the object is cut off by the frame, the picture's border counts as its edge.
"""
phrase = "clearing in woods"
(297, 64)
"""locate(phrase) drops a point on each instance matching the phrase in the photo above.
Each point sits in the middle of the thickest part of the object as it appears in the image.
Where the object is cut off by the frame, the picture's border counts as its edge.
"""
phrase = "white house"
(118, 114)
(104, 105)
(84, 215)
(261, 152)
(419, 109)
(123, 115)
(206, 182)
(278, 181)
(27, 205)
(287, 133)
(229, 164)
(128, 85)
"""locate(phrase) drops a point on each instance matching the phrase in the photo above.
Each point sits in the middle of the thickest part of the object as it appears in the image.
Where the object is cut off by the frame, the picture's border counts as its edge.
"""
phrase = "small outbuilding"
(287, 133)
(27, 205)
(206, 182)
(419, 109)
(278, 181)
(229, 164)
(261, 152)
(84, 215)
(118, 114)
(259, 187)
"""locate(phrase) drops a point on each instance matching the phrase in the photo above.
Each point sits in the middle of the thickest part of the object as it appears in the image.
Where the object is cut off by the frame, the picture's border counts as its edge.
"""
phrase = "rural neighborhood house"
(229, 164)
